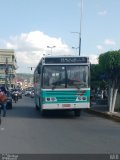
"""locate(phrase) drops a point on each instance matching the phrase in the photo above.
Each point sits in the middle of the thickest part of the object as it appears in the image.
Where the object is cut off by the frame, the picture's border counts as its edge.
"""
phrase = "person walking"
(3, 99)
(0, 115)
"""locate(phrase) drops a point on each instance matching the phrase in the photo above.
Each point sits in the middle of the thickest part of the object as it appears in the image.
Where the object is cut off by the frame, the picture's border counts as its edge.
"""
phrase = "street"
(23, 130)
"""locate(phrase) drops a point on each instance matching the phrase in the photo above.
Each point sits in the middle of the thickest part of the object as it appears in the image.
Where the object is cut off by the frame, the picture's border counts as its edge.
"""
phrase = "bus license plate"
(66, 105)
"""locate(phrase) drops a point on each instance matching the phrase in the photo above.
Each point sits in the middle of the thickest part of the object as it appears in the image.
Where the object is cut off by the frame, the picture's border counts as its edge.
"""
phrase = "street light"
(79, 33)
(51, 47)
(79, 41)
(75, 48)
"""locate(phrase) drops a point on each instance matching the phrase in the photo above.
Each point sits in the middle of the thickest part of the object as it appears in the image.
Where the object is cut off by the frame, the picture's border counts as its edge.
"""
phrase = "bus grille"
(61, 96)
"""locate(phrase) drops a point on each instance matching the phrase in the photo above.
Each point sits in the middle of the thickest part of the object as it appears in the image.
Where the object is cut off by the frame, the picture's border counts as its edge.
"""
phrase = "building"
(8, 66)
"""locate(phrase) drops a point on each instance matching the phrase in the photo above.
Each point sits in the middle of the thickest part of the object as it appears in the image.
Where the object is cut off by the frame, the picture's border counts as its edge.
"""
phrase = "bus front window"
(77, 76)
(53, 77)
(65, 77)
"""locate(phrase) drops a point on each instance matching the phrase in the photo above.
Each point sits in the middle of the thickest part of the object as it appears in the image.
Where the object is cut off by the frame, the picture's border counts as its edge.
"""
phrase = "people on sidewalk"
(3, 99)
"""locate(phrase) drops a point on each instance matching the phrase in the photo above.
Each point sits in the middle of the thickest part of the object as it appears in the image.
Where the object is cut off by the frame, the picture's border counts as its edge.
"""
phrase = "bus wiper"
(58, 83)
(78, 84)
(81, 85)
(54, 86)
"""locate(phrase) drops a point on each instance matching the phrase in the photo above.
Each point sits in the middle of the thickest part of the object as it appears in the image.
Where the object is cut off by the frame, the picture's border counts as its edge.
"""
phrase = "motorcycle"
(15, 96)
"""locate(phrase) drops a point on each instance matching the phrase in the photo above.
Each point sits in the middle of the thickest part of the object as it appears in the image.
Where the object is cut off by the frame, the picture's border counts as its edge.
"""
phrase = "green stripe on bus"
(66, 96)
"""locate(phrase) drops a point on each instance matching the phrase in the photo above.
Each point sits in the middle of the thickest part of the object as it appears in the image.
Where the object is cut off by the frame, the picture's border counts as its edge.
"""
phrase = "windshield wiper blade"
(77, 83)
(54, 86)
(58, 83)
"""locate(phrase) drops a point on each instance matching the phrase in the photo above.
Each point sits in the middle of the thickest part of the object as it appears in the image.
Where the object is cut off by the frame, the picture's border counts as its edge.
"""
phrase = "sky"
(29, 26)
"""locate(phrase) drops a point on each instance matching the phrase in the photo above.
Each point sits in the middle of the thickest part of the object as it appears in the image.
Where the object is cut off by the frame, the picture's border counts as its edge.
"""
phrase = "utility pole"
(75, 48)
(79, 33)
(80, 27)
(10, 74)
(6, 73)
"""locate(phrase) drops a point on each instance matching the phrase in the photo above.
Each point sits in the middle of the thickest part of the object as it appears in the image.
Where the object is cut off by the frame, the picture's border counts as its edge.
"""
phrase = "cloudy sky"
(29, 26)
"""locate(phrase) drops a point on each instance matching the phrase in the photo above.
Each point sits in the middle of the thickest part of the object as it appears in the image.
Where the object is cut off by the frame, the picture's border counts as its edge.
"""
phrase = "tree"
(110, 64)
(97, 77)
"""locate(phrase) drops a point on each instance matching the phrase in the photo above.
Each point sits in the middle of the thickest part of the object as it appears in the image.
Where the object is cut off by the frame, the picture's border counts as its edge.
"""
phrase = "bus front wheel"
(42, 112)
(36, 107)
(77, 112)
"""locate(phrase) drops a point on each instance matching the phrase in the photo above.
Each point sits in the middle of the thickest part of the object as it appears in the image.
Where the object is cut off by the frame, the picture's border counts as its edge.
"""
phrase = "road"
(25, 131)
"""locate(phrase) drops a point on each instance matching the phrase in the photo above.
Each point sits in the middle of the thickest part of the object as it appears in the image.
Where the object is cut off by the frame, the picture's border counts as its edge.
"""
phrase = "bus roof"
(48, 60)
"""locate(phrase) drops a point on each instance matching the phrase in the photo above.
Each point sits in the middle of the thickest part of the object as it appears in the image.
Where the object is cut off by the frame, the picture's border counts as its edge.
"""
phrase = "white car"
(27, 93)
(32, 94)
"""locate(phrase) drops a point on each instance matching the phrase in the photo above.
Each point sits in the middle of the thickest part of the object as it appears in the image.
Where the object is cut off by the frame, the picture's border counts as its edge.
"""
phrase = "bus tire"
(36, 107)
(42, 112)
(77, 112)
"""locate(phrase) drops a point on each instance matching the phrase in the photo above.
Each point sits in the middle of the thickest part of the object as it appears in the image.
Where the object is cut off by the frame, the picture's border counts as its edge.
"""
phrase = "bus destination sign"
(49, 60)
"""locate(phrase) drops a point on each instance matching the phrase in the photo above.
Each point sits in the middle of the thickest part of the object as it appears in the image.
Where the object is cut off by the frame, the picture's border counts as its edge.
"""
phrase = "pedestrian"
(3, 99)
(0, 115)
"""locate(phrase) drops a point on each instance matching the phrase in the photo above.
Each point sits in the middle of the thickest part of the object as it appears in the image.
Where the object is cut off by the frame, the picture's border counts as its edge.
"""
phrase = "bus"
(62, 83)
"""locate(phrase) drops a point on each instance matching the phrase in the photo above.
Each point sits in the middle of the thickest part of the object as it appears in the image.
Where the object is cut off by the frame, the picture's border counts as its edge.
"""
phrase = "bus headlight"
(81, 98)
(48, 99)
(51, 99)
(84, 98)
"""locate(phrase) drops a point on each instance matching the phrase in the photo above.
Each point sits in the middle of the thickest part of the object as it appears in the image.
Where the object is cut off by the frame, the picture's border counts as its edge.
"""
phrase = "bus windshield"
(74, 76)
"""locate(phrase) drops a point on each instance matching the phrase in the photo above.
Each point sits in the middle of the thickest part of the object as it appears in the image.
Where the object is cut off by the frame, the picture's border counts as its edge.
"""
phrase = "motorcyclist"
(15, 95)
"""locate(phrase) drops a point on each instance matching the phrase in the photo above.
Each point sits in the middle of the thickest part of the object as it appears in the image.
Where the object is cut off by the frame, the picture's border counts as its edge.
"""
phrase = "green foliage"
(107, 71)
(95, 72)
(96, 77)
(110, 60)
(110, 63)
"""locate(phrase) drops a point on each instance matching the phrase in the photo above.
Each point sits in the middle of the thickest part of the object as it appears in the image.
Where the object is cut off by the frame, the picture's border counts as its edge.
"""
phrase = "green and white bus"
(62, 83)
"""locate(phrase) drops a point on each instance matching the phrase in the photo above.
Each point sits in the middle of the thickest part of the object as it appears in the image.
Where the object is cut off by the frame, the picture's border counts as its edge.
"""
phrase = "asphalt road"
(25, 131)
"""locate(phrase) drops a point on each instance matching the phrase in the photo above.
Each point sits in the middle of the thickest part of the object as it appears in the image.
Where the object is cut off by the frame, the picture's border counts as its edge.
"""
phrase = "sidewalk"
(103, 111)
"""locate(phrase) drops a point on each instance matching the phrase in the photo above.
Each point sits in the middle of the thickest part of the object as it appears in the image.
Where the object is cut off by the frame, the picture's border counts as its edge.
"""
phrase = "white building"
(7, 67)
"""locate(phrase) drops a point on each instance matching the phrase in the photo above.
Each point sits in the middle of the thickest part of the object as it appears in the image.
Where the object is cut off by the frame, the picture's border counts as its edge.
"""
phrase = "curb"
(104, 115)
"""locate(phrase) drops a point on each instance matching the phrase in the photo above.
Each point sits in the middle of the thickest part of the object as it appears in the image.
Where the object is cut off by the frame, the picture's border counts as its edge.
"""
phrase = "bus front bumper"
(65, 106)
